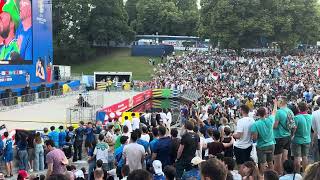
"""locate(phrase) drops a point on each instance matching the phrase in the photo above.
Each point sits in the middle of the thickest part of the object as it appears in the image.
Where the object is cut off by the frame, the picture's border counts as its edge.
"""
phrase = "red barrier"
(119, 107)
(129, 103)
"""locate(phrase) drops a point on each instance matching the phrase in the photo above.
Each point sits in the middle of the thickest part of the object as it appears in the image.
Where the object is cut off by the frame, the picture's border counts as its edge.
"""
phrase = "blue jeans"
(23, 159)
(92, 165)
(39, 158)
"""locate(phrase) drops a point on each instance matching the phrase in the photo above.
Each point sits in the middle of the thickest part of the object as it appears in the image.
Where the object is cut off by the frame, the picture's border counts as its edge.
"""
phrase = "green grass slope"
(119, 60)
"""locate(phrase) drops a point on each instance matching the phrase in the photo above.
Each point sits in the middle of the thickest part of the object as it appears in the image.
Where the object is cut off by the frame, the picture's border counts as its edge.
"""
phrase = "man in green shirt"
(262, 131)
(9, 20)
(302, 137)
(281, 134)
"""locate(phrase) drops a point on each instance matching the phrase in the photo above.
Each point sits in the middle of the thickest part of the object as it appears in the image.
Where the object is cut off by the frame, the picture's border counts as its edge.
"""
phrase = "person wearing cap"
(24, 30)
(193, 173)
(158, 173)
(9, 20)
(22, 175)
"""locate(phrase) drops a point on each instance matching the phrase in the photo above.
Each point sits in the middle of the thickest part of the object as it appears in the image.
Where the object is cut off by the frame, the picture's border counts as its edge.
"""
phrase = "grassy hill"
(119, 60)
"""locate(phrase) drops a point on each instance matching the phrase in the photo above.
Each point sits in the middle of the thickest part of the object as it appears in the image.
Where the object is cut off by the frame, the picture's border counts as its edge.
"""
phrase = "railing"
(103, 86)
(13, 102)
(190, 95)
(86, 108)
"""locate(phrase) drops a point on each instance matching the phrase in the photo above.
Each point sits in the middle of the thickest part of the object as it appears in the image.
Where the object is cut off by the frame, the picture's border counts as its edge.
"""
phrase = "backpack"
(67, 149)
(290, 124)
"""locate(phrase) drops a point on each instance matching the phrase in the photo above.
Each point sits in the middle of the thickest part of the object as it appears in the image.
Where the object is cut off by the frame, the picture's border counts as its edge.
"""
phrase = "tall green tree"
(109, 22)
(186, 5)
(166, 17)
(70, 30)
(249, 23)
(131, 8)
(235, 24)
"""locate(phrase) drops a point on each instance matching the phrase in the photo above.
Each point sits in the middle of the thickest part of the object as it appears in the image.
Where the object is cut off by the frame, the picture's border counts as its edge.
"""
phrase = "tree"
(253, 23)
(131, 8)
(165, 17)
(109, 22)
(70, 30)
(234, 24)
(186, 5)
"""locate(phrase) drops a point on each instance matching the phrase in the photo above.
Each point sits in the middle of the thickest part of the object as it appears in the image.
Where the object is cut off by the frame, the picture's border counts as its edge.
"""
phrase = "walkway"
(53, 112)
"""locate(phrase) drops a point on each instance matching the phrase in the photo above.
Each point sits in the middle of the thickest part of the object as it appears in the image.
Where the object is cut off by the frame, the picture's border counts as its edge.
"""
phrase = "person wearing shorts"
(8, 155)
(243, 145)
(265, 154)
(282, 135)
(262, 131)
(302, 137)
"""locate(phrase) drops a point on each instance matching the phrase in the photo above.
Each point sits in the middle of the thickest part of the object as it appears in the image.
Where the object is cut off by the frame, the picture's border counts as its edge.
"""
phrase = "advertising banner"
(141, 97)
(25, 42)
(125, 105)
(119, 107)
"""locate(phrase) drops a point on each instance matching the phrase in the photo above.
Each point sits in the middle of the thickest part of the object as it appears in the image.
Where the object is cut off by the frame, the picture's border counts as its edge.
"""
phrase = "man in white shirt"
(169, 120)
(243, 145)
(134, 153)
(127, 123)
(316, 124)
(145, 136)
(101, 151)
(147, 117)
(135, 122)
(163, 116)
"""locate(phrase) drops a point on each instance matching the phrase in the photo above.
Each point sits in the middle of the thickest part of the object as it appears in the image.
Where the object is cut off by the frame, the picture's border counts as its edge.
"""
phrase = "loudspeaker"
(9, 98)
(56, 73)
(43, 91)
(57, 89)
(27, 95)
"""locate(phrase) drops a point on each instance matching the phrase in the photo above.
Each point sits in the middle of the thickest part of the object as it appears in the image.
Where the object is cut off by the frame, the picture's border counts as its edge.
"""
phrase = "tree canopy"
(252, 23)
(79, 25)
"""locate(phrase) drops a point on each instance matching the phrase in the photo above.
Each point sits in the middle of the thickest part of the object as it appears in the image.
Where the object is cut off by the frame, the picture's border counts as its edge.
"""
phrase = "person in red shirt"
(48, 69)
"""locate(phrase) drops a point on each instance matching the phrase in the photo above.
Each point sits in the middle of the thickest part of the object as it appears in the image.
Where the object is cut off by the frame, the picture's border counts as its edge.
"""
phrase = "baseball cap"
(196, 161)
(23, 174)
(157, 166)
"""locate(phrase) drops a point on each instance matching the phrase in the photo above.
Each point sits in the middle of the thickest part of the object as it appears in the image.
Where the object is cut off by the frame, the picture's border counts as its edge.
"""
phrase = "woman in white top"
(169, 120)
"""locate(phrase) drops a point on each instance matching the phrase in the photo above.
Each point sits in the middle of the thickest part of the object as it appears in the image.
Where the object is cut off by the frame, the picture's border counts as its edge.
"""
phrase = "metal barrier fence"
(86, 108)
(191, 95)
(14, 102)
(102, 86)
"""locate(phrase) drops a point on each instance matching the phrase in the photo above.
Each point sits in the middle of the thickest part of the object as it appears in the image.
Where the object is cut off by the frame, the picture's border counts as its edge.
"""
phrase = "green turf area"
(119, 60)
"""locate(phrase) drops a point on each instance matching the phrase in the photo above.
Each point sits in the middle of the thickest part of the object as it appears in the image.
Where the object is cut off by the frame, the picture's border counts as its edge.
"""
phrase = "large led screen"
(15, 32)
(25, 42)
